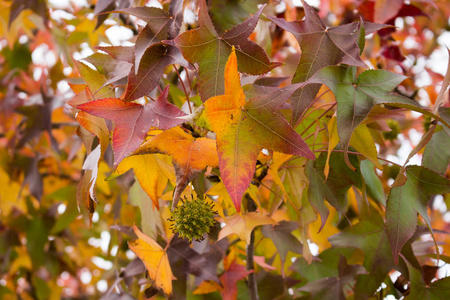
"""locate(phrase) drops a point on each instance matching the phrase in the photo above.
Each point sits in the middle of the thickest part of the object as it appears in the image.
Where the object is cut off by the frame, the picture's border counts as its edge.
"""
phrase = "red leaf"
(230, 278)
(132, 120)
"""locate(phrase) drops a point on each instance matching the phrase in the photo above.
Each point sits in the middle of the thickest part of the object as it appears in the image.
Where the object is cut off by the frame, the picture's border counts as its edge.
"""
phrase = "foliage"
(310, 146)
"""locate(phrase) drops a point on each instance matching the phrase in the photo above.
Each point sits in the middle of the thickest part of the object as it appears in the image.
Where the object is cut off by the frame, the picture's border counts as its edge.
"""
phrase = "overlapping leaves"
(244, 128)
(317, 41)
(133, 121)
(210, 51)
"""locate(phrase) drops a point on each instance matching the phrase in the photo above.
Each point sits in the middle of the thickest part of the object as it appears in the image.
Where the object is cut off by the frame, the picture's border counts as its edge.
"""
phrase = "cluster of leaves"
(318, 166)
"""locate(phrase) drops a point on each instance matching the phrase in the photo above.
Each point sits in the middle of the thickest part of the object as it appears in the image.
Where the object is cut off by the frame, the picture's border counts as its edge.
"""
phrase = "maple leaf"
(133, 121)
(17, 6)
(143, 78)
(421, 289)
(317, 41)
(190, 156)
(356, 97)
(333, 287)
(113, 69)
(151, 68)
(160, 25)
(155, 260)
(202, 266)
(437, 152)
(205, 47)
(378, 259)
(282, 237)
(244, 128)
(408, 197)
(242, 225)
(334, 188)
(151, 171)
(229, 279)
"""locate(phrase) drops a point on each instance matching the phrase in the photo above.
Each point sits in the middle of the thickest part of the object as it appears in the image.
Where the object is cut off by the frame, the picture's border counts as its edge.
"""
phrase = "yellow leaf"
(155, 260)
(242, 225)
(152, 172)
(363, 142)
(9, 195)
(277, 160)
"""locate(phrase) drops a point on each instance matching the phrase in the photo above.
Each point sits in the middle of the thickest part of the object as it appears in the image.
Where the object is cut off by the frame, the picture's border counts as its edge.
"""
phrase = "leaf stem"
(184, 88)
(360, 154)
(252, 285)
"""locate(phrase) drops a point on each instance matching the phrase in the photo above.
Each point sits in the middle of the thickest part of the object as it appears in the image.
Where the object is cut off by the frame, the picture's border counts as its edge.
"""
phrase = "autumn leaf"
(317, 41)
(17, 6)
(155, 260)
(244, 128)
(152, 172)
(151, 68)
(282, 237)
(160, 25)
(230, 278)
(133, 121)
(190, 156)
(242, 225)
(408, 197)
(111, 68)
(206, 48)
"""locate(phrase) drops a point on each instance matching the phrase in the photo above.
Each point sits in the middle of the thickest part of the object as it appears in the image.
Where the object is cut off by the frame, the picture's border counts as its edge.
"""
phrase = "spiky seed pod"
(193, 218)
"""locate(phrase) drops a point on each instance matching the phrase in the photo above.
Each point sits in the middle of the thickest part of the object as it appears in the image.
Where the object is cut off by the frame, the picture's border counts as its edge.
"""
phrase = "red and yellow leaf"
(244, 128)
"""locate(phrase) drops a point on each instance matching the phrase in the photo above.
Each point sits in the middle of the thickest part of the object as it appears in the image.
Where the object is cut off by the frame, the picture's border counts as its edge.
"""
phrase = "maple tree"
(224, 149)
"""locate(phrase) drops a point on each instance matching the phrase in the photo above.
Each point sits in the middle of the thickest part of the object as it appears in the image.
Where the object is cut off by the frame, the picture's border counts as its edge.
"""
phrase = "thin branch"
(184, 88)
(252, 286)
(310, 105)
(324, 113)
(360, 154)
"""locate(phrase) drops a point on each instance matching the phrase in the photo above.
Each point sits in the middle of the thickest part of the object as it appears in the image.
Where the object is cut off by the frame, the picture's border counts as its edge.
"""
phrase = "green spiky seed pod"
(192, 219)
(395, 130)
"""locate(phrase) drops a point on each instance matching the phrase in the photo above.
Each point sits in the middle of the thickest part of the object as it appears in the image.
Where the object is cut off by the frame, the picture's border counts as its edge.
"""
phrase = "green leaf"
(356, 98)
(409, 199)
(377, 256)
(334, 188)
(205, 47)
(437, 290)
(332, 288)
(372, 181)
(317, 42)
(436, 155)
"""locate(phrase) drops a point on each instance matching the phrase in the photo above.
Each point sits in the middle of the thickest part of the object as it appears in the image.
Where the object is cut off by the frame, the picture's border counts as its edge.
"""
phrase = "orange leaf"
(244, 128)
(155, 260)
(190, 156)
